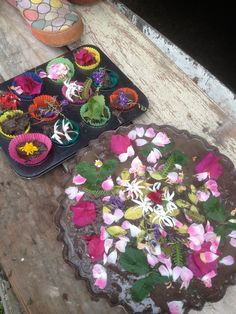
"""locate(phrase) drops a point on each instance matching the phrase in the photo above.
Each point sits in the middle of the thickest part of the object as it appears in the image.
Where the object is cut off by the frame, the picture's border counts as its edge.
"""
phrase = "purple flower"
(116, 202)
(156, 232)
(123, 100)
(98, 76)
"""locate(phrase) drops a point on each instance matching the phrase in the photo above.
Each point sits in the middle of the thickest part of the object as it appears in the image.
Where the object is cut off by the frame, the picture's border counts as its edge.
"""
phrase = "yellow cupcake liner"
(91, 66)
(4, 117)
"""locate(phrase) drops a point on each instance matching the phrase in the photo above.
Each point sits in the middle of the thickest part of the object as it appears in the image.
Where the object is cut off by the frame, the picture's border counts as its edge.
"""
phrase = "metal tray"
(59, 154)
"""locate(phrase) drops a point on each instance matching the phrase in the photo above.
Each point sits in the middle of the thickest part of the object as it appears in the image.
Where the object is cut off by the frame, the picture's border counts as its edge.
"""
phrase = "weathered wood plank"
(29, 252)
(19, 50)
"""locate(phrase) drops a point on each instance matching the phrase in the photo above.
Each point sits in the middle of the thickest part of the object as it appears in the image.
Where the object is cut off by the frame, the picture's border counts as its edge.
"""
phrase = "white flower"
(170, 206)
(134, 188)
(144, 203)
(163, 217)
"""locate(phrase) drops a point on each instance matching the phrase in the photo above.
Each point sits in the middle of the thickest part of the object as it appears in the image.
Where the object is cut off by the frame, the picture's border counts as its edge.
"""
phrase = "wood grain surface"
(29, 252)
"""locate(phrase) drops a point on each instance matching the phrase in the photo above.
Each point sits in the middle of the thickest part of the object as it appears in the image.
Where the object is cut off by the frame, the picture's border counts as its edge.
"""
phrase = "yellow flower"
(29, 148)
(98, 163)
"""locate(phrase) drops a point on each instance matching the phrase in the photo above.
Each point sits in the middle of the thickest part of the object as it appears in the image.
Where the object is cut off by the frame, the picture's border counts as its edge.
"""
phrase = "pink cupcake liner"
(29, 137)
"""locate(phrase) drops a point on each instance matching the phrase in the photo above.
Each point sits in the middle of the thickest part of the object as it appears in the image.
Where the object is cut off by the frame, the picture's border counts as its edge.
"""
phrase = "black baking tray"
(59, 154)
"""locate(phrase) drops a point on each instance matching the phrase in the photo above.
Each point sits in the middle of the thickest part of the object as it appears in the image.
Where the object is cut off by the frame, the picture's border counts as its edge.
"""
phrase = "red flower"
(210, 163)
(84, 57)
(155, 196)
(120, 143)
(95, 247)
(84, 213)
(8, 101)
(28, 85)
(197, 266)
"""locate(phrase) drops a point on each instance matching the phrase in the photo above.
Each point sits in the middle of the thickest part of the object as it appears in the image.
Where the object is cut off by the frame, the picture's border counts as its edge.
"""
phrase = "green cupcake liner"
(74, 139)
(95, 124)
(65, 61)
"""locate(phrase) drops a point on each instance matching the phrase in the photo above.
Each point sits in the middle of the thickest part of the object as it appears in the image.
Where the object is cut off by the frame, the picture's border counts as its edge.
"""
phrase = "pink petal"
(72, 192)
(140, 142)
(108, 244)
(152, 260)
(202, 176)
(130, 151)
(108, 184)
(173, 177)
(207, 278)
(134, 231)
(121, 245)
(232, 242)
(150, 133)
(186, 275)
(79, 196)
(103, 233)
(202, 196)
(161, 139)
(232, 234)
(164, 271)
(208, 257)
(227, 260)
(140, 132)
(208, 227)
(196, 229)
(175, 307)
(151, 158)
(78, 180)
(118, 214)
(108, 218)
(42, 74)
(112, 257)
(101, 282)
(125, 224)
(123, 157)
(176, 272)
(132, 135)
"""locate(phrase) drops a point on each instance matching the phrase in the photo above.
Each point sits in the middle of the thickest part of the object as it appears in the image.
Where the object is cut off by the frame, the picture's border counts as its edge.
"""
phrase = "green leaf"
(142, 287)
(177, 254)
(182, 203)
(89, 172)
(134, 261)
(196, 217)
(95, 108)
(146, 149)
(180, 158)
(193, 198)
(133, 213)
(169, 165)
(214, 209)
(107, 169)
(116, 231)
(220, 231)
(86, 87)
(230, 225)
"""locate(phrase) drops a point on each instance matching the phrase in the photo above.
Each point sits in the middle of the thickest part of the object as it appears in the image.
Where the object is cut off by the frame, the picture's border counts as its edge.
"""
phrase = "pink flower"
(120, 144)
(95, 247)
(57, 70)
(84, 213)
(137, 167)
(203, 261)
(210, 163)
(108, 184)
(161, 139)
(84, 57)
(99, 273)
(213, 187)
(202, 196)
(175, 307)
(78, 180)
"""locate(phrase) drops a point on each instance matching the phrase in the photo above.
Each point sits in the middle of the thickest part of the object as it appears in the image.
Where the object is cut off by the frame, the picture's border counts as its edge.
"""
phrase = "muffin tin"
(59, 154)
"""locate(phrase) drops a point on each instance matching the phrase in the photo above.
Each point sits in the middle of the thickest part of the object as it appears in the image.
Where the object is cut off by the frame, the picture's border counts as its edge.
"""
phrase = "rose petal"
(232, 234)
(150, 133)
(164, 271)
(152, 260)
(130, 151)
(140, 142)
(208, 257)
(121, 245)
(112, 257)
(175, 307)
(232, 242)
(108, 244)
(161, 139)
(118, 214)
(72, 192)
(78, 180)
(123, 157)
(99, 273)
(108, 218)
(132, 135)
(227, 260)
(151, 158)
(79, 196)
(176, 272)
(108, 184)
(140, 132)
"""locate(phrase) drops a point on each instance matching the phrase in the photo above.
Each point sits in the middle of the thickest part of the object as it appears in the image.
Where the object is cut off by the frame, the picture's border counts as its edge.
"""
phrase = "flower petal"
(118, 214)
(208, 257)
(140, 142)
(108, 184)
(227, 260)
(176, 272)
(151, 158)
(108, 244)
(132, 135)
(72, 192)
(164, 271)
(112, 257)
(232, 242)
(152, 260)
(175, 307)
(78, 180)
(150, 133)
(232, 234)
(99, 273)
(140, 131)
(161, 139)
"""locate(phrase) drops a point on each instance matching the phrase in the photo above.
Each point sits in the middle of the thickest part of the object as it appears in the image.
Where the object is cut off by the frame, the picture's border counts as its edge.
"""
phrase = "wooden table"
(29, 252)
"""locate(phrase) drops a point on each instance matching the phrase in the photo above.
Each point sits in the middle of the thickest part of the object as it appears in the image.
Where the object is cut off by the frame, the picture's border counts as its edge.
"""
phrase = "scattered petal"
(175, 307)
(161, 139)
(99, 273)
(72, 192)
(78, 180)
(150, 133)
(140, 142)
(108, 184)
(227, 260)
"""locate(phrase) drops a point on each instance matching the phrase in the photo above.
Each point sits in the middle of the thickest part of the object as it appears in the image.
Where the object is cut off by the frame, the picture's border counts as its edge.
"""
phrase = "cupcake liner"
(95, 124)
(114, 77)
(36, 78)
(74, 139)
(130, 93)
(3, 118)
(77, 102)
(65, 61)
(40, 101)
(29, 137)
(92, 66)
